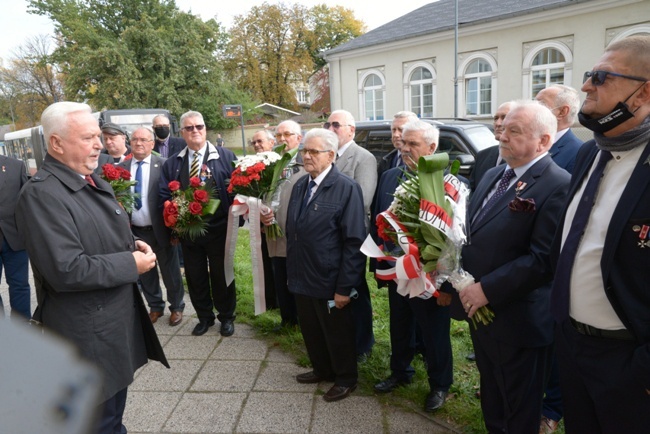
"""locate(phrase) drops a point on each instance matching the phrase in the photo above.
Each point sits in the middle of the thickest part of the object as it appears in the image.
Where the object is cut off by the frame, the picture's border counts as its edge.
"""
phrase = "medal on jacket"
(643, 235)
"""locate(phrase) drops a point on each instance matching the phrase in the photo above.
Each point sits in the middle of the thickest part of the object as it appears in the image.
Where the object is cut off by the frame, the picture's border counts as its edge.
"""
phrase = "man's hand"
(267, 218)
(145, 258)
(473, 298)
(340, 301)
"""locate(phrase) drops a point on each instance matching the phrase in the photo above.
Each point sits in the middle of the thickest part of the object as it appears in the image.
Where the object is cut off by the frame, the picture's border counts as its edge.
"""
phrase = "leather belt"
(143, 228)
(587, 330)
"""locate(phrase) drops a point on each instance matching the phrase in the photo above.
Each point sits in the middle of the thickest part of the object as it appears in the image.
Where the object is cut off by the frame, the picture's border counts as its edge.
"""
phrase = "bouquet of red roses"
(120, 179)
(186, 210)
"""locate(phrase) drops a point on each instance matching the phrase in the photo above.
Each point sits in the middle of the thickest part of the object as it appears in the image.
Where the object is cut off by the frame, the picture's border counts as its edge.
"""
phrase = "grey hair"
(160, 116)
(404, 114)
(191, 114)
(543, 121)
(349, 119)
(568, 96)
(329, 138)
(146, 128)
(430, 133)
(269, 135)
(54, 118)
(294, 127)
(637, 50)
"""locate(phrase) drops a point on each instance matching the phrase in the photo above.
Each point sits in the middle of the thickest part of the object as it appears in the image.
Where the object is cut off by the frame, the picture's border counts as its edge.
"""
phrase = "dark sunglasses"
(190, 128)
(336, 125)
(599, 77)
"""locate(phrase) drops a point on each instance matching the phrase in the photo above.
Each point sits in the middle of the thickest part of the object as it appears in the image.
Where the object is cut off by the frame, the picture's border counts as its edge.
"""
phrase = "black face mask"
(616, 117)
(162, 132)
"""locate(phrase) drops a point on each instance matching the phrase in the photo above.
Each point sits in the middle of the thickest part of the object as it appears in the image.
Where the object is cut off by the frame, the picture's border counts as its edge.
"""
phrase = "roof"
(269, 108)
(440, 16)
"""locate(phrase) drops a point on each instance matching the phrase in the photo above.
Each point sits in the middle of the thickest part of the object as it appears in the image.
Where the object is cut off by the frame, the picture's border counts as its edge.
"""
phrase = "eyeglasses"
(286, 135)
(255, 142)
(137, 140)
(311, 152)
(598, 77)
(334, 124)
(190, 128)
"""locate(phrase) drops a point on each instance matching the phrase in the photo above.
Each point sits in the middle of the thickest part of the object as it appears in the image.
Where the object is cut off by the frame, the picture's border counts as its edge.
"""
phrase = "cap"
(113, 129)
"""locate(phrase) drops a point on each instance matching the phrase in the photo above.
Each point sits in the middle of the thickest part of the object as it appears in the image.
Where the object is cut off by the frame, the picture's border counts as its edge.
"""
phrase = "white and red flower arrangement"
(185, 212)
(120, 179)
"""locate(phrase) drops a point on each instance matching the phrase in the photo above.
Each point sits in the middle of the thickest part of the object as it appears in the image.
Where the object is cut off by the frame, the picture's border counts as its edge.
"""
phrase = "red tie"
(90, 180)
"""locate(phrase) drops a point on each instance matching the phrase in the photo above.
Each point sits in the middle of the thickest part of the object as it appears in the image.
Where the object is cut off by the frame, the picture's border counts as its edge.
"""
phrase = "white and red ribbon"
(250, 208)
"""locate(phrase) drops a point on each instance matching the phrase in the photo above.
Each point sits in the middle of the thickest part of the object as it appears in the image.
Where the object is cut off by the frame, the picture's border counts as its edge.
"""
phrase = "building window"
(547, 68)
(421, 87)
(373, 98)
(478, 88)
(302, 96)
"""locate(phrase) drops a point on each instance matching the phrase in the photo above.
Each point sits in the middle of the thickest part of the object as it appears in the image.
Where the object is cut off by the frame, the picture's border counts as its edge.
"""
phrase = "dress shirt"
(318, 180)
(163, 147)
(342, 149)
(519, 172)
(142, 216)
(190, 155)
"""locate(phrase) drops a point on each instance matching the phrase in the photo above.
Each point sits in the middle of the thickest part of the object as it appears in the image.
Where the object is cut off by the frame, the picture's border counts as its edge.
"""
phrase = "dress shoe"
(176, 318)
(202, 327)
(435, 400)
(227, 327)
(390, 384)
(308, 378)
(547, 425)
(336, 393)
(153, 316)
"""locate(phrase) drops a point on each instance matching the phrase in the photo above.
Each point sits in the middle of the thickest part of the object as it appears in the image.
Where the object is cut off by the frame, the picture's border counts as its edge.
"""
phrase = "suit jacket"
(176, 145)
(160, 231)
(565, 150)
(80, 247)
(624, 263)
(386, 163)
(12, 178)
(485, 160)
(359, 164)
(324, 238)
(508, 254)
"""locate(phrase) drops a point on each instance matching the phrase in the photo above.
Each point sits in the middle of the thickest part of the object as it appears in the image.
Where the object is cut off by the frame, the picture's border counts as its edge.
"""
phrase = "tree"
(277, 46)
(139, 53)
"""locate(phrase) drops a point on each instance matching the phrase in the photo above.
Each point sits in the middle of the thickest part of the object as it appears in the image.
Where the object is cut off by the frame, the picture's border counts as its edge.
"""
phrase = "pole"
(243, 139)
(456, 61)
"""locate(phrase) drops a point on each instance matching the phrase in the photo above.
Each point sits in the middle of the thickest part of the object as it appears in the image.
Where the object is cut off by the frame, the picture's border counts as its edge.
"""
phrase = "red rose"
(201, 196)
(230, 186)
(124, 174)
(383, 227)
(110, 172)
(196, 208)
(174, 185)
(170, 214)
(128, 157)
(195, 182)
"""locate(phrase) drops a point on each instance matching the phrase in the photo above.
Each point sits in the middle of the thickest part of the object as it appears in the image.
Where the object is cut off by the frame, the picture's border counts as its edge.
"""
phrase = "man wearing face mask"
(166, 145)
(602, 248)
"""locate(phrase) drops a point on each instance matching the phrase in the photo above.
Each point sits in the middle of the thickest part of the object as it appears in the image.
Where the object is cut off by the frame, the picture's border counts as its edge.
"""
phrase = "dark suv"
(461, 139)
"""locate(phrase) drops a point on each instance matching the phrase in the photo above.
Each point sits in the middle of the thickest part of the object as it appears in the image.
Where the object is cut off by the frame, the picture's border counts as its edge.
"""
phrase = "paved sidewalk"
(240, 384)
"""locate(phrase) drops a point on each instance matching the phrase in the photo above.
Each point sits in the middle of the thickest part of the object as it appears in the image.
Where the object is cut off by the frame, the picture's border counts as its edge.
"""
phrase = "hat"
(113, 129)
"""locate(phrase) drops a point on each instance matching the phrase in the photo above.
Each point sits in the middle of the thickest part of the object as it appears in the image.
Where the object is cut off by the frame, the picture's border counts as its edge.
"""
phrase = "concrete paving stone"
(355, 414)
(406, 422)
(155, 377)
(148, 411)
(190, 347)
(206, 413)
(226, 376)
(281, 377)
(243, 330)
(272, 412)
(240, 349)
(277, 355)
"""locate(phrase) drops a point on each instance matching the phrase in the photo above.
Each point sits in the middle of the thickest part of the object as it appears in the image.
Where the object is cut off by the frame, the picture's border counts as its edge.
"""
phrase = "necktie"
(90, 180)
(562, 280)
(398, 161)
(138, 185)
(163, 149)
(307, 198)
(502, 187)
(194, 169)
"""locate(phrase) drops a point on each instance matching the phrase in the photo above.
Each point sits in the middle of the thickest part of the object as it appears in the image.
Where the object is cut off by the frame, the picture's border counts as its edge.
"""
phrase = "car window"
(481, 137)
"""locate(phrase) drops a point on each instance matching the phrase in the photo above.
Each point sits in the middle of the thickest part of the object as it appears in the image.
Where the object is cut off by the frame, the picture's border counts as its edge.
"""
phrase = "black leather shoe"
(202, 327)
(390, 384)
(435, 400)
(227, 328)
(336, 393)
(308, 378)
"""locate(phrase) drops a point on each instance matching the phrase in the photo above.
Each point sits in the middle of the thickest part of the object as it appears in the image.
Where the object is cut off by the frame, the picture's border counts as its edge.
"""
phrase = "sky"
(17, 25)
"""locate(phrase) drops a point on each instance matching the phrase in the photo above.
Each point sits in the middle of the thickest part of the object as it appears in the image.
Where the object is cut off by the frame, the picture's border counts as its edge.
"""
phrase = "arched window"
(421, 92)
(478, 88)
(373, 97)
(547, 68)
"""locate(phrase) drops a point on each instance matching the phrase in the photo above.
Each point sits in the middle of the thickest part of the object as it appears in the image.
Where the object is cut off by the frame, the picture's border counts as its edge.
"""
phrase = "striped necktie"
(194, 169)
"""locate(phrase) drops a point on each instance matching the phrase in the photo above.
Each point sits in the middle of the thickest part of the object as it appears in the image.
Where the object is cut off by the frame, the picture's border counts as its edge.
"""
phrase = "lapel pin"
(643, 237)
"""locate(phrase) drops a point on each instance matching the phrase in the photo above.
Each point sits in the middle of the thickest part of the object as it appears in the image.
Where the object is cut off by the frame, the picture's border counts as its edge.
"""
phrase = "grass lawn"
(462, 408)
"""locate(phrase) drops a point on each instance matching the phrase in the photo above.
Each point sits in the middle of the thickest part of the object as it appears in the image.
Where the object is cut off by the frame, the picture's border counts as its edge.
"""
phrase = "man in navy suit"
(564, 102)
(394, 157)
(489, 157)
(165, 144)
(600, 292)
(512, 217)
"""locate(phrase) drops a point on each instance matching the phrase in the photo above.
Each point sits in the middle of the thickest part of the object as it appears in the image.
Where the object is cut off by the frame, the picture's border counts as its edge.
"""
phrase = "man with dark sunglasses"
(204, 256)
(601, 252)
